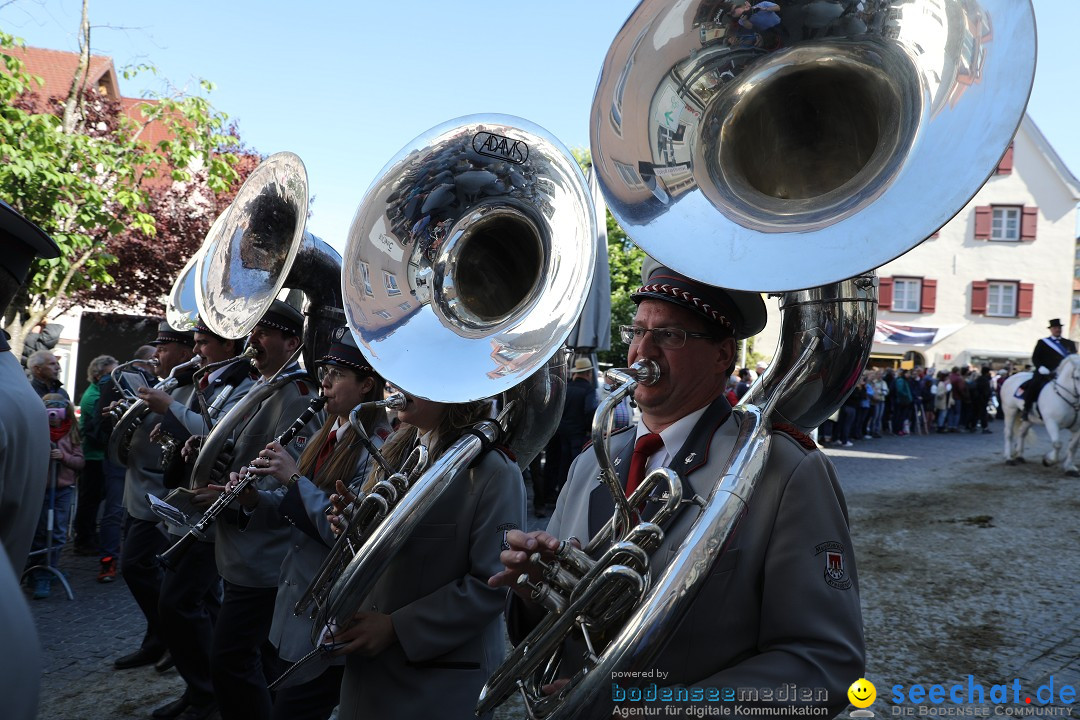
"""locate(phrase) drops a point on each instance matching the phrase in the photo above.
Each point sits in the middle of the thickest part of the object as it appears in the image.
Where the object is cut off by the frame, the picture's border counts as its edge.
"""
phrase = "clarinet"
(172, 556)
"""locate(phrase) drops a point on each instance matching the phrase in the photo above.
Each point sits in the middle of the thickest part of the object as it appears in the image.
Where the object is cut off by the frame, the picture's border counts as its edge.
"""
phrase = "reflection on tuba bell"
(790, 168)
(478, 239)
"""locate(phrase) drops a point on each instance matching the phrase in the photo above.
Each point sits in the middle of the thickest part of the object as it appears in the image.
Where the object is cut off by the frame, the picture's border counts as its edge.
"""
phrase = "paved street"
(967, 567)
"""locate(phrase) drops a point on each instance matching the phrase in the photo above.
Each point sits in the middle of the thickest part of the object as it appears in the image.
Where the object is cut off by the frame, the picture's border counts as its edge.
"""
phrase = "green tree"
(81, 171)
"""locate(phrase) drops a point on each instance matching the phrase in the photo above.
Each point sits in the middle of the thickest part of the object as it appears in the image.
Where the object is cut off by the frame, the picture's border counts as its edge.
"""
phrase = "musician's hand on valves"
(369, 634)
(190, 451)
(203, 497)
(248, 497)
(275, 462)
(338, 502)
(516, 559)
(155, 433)
(158, 400)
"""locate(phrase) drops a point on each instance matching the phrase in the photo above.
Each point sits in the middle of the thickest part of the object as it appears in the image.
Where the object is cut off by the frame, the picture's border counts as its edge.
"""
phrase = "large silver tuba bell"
(466, 268)
(771, 161)
(258, 247)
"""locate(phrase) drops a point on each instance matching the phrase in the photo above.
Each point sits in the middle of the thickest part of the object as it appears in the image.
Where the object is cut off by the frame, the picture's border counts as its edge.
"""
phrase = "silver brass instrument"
(790, 169)
(128, 396)
(137, 410)
(477, 239)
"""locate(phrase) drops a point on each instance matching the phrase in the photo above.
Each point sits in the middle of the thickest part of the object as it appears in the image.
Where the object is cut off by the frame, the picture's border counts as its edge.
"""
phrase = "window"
(1076, 304)
(907, 295)
(390, 283)
(383, 314)
(1005, 224)
(365, 275)
(1001, 299)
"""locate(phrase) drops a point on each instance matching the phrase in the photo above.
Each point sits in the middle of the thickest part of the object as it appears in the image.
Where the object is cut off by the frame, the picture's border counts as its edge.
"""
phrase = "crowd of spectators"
(888, 401)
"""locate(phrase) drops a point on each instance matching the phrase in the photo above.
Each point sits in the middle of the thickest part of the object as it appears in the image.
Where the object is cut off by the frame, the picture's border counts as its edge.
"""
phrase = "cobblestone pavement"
(968, 567)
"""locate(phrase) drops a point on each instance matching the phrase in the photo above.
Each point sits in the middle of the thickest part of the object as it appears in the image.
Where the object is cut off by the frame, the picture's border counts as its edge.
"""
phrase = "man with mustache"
(780, 604)
(249, 551)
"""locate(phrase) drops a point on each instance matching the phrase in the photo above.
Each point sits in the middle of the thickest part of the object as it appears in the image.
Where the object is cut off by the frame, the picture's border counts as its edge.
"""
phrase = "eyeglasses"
(664, 337)
(331, 374)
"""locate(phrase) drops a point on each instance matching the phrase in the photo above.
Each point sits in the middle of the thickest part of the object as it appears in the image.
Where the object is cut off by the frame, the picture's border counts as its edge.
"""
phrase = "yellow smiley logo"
(862, 693)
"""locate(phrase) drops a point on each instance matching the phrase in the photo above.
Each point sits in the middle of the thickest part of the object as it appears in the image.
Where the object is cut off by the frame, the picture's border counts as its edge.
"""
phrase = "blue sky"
(346, 85)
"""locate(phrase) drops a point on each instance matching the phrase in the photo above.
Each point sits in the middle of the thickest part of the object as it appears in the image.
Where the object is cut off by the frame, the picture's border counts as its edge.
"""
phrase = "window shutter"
(885, 293)
(1006, 165)
(1028, 222)
(978, 297)
(984, 215)
(929, 295)
(1025, 297)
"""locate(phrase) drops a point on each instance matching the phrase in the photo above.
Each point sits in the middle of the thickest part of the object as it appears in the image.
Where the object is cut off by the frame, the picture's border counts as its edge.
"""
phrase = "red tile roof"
(57, 67)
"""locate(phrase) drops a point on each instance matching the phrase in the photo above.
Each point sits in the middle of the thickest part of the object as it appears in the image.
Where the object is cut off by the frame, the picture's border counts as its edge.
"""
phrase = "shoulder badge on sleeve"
(300, 441)
(302, 387)
(503, 530)
(835, 573)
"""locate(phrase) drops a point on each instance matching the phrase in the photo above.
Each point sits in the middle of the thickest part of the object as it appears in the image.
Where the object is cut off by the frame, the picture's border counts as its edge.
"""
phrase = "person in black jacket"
(1046, 356)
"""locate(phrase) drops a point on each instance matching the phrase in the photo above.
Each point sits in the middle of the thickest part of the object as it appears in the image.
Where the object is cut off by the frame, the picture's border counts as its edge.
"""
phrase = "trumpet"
(136, 410)
(170, 557)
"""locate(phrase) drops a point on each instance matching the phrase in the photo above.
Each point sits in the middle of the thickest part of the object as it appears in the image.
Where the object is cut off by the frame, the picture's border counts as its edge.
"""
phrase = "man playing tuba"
(781, 603)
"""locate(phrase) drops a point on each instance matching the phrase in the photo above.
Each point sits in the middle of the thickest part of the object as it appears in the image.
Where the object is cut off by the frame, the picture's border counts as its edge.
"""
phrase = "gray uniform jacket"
(447, 619)
(303, 506)
(24, 458)
(144, 474)
(252, 557)
(781, 604)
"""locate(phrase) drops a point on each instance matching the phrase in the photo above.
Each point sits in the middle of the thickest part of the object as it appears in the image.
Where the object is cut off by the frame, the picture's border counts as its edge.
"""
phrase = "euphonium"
(478, 239)
(771, 170)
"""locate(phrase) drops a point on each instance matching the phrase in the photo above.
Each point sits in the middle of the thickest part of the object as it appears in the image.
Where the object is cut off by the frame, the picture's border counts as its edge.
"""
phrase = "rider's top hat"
(1056, 322)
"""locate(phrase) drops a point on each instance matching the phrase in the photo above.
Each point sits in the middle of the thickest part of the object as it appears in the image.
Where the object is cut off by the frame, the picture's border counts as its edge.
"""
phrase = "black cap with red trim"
(344, 352)
(166, 333)
(742, 313)
(283, 317)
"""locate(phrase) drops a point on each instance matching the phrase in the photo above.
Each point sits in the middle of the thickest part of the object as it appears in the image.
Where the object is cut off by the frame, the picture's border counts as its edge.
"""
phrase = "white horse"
(1058, 409)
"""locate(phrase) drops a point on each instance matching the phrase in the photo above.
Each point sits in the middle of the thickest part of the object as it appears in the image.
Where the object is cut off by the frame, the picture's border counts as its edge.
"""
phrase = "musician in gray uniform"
(249, 559)
(24, 469)
(430, 632)
(191, 591)
(143, 539)
(335, 453)
(781, 603)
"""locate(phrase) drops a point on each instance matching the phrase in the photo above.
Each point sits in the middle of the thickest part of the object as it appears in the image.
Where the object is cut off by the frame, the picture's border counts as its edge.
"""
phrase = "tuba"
(478, 241)
(258, 247)
(798, 159)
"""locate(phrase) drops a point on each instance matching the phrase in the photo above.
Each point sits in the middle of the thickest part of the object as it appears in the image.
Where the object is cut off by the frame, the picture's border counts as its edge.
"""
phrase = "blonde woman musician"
(335, 453)
(432, 631)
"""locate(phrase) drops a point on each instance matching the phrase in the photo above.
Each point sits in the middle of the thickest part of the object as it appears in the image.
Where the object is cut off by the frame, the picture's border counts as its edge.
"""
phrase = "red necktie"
(645, 447)
(204, 382)
(327, 449)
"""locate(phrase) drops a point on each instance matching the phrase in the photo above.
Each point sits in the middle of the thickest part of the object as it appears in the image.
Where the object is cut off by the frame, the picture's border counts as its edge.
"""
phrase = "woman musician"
(432, 631)
(335, 453)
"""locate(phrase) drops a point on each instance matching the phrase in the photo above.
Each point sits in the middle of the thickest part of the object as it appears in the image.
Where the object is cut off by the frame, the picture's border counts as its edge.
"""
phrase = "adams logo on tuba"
(503, 148)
